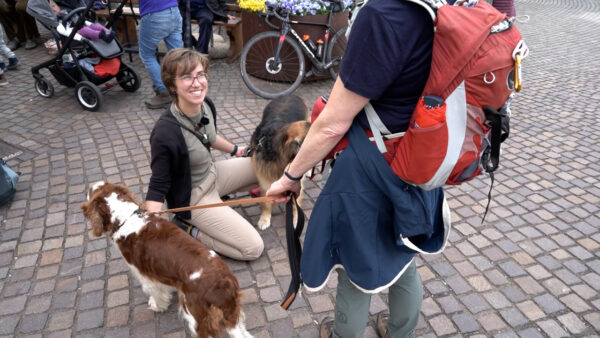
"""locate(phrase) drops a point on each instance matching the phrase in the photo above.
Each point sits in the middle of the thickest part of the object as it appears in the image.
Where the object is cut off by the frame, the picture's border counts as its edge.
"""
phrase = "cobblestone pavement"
(531, 270)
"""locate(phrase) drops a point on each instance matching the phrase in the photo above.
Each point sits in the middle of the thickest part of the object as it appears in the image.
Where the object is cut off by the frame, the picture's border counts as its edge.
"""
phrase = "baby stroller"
(66, 65)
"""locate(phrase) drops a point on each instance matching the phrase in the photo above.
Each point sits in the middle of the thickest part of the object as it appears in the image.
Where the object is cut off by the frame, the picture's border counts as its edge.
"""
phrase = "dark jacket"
(170, 164)
(218, 7)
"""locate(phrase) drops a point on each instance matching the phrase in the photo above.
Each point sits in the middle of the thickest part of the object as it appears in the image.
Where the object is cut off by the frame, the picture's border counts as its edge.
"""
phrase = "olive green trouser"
(352, 306)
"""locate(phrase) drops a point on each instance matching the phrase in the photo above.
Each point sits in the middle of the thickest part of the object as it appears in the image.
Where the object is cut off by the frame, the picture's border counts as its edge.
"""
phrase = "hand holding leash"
(284, 186)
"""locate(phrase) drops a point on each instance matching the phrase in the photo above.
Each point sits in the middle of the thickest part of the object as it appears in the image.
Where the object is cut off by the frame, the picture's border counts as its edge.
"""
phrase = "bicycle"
(272, 63)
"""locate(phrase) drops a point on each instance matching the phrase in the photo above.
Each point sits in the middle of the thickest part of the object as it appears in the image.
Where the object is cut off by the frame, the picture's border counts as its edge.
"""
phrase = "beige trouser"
(222, 228)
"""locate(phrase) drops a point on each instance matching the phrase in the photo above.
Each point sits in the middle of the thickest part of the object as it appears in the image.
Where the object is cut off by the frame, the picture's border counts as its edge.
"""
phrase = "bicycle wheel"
(259, 71)
(335, 50)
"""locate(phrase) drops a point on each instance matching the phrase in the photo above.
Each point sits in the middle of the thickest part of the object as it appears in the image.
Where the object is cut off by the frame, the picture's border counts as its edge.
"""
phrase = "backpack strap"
(431, 6)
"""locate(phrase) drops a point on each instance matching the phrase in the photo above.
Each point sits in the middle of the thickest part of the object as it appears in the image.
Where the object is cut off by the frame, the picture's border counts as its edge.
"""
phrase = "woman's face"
(192, 87)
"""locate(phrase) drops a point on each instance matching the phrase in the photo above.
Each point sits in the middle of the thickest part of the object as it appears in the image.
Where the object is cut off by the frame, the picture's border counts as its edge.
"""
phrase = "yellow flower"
(252, 5)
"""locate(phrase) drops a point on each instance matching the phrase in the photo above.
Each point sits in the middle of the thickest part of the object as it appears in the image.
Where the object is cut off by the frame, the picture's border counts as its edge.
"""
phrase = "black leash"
(294, 249)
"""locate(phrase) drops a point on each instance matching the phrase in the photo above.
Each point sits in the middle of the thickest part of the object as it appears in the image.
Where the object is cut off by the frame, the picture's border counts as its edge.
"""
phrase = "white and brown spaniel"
(164, 258)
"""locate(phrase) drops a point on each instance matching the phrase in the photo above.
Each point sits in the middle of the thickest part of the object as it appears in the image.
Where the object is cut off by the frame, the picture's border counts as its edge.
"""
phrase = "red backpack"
(463, 114)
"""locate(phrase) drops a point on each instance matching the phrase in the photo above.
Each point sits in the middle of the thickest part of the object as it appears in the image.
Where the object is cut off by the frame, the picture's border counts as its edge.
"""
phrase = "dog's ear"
(92, 210)
(294, 136)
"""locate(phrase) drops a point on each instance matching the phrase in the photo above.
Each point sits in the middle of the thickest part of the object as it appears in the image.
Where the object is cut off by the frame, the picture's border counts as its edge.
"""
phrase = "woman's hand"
(153, 206)
(281, 187)
(240, 152)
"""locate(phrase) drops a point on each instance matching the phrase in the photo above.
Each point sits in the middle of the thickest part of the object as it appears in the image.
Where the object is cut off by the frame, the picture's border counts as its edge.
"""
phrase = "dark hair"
(180, 61)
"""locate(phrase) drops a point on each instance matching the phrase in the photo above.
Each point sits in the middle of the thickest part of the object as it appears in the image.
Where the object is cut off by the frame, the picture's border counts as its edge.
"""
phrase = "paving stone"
(497, 299)
(449, 304)
(572, 323)
(271, 294)
(549, 303)
(436, 287)
(529, 285)
(474, 302)
(9, 324)
(265, 279)
(90, 319)
(531, 310)
(479, 283)
(141, 313)
(33, 323)
(12, 305)
(491, 322)
(275, 312)
(118, 282)
(255, 317)
(63, 300)
(320, 303)
(530, 332)
(513, 317)
(117, 298)
(429, 307)
(43, 287)
(61, 320)
(458, 284)
(244, 278)
(249, 296)
(593, 319)
(465, 322)
(442, 325)
(91, 300)
(552, 328)
(38, 304)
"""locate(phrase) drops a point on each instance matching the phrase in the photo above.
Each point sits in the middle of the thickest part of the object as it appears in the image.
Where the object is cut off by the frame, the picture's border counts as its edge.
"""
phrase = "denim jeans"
(154, 27)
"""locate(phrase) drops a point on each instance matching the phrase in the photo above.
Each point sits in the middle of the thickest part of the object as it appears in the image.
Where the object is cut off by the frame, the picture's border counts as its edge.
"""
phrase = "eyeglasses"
(188, 79)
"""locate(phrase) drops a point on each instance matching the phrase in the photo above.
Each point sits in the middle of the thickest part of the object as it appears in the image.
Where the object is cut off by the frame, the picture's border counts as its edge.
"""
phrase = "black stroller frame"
(87, 92)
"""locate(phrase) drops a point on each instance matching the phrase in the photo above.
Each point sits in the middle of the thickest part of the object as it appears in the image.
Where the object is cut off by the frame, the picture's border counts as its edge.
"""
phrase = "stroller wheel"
(44, 87)
(88, 95)
(128, 79)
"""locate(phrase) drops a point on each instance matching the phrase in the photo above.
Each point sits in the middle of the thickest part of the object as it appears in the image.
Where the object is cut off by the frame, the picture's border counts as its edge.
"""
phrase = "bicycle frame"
(287, 28)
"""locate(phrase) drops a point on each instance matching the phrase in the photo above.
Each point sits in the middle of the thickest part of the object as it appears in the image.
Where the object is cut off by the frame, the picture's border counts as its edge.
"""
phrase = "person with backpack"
(355, 226)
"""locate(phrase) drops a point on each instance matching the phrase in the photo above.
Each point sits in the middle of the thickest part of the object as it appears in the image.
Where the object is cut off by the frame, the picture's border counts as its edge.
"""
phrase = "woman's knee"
(253, 250)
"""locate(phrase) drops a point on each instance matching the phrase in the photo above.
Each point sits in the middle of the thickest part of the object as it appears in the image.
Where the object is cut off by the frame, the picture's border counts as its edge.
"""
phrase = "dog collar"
(138, 212)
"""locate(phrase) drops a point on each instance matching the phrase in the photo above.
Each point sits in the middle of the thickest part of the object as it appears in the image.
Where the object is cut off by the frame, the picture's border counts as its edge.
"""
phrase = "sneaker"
(12, 63)
(30, 44)
(381, 322)
(160, 100)
(13, 44)
(326, 328)
(3, 80)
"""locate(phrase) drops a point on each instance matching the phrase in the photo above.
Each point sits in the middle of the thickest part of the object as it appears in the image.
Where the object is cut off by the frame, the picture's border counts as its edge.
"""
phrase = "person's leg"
(235, 175)
(17, 26)
(351, 309)
(205, 18)
(7, 21)
(29, 25)
(10, 55)
(174, 36)
(222, 228)
(151, 31)
(405, 298)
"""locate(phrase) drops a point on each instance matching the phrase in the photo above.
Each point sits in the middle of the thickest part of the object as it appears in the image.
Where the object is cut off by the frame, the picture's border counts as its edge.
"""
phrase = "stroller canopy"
(42, 12)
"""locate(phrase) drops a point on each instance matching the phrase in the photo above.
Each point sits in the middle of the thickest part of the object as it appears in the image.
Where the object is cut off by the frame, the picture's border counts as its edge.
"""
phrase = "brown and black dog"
(276, 142)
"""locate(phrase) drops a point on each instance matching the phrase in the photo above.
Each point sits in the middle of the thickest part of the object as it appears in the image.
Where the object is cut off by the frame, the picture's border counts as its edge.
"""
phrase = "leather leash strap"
(294, 249)
(222, 204)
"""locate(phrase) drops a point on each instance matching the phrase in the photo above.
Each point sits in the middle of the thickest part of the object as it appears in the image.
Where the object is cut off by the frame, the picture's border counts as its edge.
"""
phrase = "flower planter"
(254, 24)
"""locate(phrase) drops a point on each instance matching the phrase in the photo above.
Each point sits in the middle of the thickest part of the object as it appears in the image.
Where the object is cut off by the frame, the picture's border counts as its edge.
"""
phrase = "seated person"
(205, 12)
(183, 171)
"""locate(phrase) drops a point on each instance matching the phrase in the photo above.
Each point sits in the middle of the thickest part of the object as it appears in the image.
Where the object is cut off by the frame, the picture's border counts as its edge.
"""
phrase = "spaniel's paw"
(156, 307)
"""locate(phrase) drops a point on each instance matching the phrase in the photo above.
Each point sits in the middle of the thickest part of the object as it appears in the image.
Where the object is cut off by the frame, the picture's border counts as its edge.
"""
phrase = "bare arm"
(227, 147)
(333, 122)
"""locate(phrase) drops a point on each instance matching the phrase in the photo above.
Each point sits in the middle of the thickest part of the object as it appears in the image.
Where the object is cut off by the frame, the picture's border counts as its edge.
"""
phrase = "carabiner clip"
(519, 53)
(518, 83)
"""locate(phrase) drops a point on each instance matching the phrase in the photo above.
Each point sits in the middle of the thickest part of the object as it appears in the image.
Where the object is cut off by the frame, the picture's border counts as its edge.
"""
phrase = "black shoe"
(326, 328)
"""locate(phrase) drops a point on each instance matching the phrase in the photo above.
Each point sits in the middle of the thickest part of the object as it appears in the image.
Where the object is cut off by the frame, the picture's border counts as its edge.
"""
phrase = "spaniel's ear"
(91, 211)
